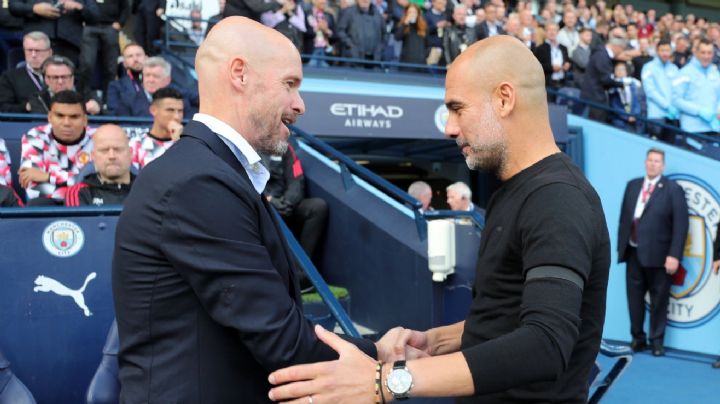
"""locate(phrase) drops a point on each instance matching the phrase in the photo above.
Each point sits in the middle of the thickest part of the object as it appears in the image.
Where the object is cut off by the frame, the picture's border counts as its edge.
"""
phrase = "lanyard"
(33, 78)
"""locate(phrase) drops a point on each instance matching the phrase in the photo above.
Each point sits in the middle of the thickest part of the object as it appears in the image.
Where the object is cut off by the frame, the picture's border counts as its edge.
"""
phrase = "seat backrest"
(105, 385)
(12, 390)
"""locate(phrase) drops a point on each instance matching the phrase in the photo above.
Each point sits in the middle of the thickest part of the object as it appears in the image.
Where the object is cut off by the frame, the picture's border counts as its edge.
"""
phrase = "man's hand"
(116, 26)
(46, 10)
(32, 174)
(159, 12)
(350, 379)
(671, 265)
(402, 344)
(556, 68)
(566, 66)
(92, 107)
(716, 266)
(176, 129)
(71, 5)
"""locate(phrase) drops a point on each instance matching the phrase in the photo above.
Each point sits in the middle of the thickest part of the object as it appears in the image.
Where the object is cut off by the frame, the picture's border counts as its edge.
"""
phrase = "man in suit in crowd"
(491, 26)
(553, 58)
(62, 21)
(651, 240)
(18, 85)
(206, 295)
(599, 74)
(130, 83)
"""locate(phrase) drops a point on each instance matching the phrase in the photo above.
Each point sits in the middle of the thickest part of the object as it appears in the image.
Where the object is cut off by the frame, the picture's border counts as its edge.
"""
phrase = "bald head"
(498, 113)
(502, 59)
(111, 154)
(249, 77)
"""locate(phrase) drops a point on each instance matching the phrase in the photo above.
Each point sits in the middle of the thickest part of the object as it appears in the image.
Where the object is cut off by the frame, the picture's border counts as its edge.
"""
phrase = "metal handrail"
(316, 279)
(475, 216)
(638, 118)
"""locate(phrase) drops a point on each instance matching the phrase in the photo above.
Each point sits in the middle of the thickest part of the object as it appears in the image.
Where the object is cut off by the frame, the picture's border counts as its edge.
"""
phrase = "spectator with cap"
(19, 84)
(59, 75)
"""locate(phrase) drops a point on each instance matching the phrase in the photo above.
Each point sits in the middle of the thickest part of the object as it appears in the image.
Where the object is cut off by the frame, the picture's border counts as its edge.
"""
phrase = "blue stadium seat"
(574, 106)
(12, 390)
(105, 385)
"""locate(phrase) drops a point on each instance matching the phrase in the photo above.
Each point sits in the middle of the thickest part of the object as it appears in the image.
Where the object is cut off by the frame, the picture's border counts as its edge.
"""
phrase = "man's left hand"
(350, 379)
(71, 5)
(671, 265)
(92, 107)
(27, 175)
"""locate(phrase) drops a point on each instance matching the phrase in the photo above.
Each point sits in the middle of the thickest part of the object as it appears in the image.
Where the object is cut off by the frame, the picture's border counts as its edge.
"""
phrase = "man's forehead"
(63, 108)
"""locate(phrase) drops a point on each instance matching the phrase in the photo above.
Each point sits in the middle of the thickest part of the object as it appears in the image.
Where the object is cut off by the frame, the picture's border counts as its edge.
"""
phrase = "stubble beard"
(491, 156)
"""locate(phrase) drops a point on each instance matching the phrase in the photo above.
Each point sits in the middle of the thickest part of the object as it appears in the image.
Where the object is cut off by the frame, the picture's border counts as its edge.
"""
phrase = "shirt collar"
(653, 181)
(247, 156)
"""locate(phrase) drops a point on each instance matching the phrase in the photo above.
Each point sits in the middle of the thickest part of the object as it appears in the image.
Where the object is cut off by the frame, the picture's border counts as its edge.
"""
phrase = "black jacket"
(544, 56)
(69, 27)
(482, 30)
(249, 8)
(206, 294)
(110, 11)
(598, 77)
(16, 88)
(92, 191)
(663, 226)
(455, 37)
(287, 182)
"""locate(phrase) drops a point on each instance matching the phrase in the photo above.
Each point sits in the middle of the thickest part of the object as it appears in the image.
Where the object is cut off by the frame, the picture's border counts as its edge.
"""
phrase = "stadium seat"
(12, 390)
(105, 385)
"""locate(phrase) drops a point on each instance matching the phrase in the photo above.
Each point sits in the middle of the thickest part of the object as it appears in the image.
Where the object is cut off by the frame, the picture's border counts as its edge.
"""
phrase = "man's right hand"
(716, 266)
(46, 10)
(176, 129)
(402, 344)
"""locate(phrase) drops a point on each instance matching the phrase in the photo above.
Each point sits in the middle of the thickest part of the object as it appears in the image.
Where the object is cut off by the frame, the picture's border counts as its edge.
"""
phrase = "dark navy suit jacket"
(205, 294)
(124, 100)
(663, 226)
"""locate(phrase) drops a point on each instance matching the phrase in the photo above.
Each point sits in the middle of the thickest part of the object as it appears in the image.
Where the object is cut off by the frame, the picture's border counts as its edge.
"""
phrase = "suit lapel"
(202, 133)
(659, 188)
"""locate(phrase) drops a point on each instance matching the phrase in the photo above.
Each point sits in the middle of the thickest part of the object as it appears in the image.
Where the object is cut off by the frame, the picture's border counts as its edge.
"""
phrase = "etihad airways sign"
(329, 114)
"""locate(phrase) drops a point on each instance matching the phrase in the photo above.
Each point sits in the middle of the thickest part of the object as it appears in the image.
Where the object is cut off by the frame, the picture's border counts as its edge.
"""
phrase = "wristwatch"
(399, 381)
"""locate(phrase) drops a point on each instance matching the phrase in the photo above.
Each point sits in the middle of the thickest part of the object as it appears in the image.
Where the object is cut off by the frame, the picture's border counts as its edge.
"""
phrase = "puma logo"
(45, 284)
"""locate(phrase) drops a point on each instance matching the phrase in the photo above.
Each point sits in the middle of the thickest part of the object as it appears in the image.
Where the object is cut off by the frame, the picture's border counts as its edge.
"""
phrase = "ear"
(153, 109)
(506, 98)
(238, 73)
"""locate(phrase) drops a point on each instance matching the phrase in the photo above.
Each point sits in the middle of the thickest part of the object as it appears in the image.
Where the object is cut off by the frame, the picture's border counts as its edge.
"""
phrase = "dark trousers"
(308, 222)
(64, 48)
(665, 134)
(638, 281)
(147, 29)
(103, 39)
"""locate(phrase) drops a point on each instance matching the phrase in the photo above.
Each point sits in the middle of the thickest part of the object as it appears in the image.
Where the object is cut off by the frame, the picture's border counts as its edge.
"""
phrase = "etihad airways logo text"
(367, 116)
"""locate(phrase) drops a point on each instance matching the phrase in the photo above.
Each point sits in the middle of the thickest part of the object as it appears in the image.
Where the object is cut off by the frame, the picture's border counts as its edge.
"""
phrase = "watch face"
(399, 381)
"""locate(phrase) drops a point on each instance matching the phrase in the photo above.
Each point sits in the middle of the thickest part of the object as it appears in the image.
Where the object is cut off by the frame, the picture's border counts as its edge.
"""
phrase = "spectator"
(437, 21)
(361, 32)
(196, 32)
(599, 75)
(412, 31)
(59, 75)
(645, 29)
(682, 51)
(553, 58)
(632, 35)
(459, 197)
(713, 34)
(625, 98)
(19, 84)
(643, 58)
(112, 179)
(216, 18)
(289, 20)
(62, 22)
(696, 92)
(102, 36)
(600, 36)
(53, 154)
(157, 74)
(251, 8)
(130, 84)
(458, 36)
(581, 56)
(148, 22)
(512, 26)
(657, 77)
(322, 24)
(651, 240)
(285, 190)
(568, 35)
(421, 191)
(167, 111)
(586, 19)
(8, 197)
(491, 26)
